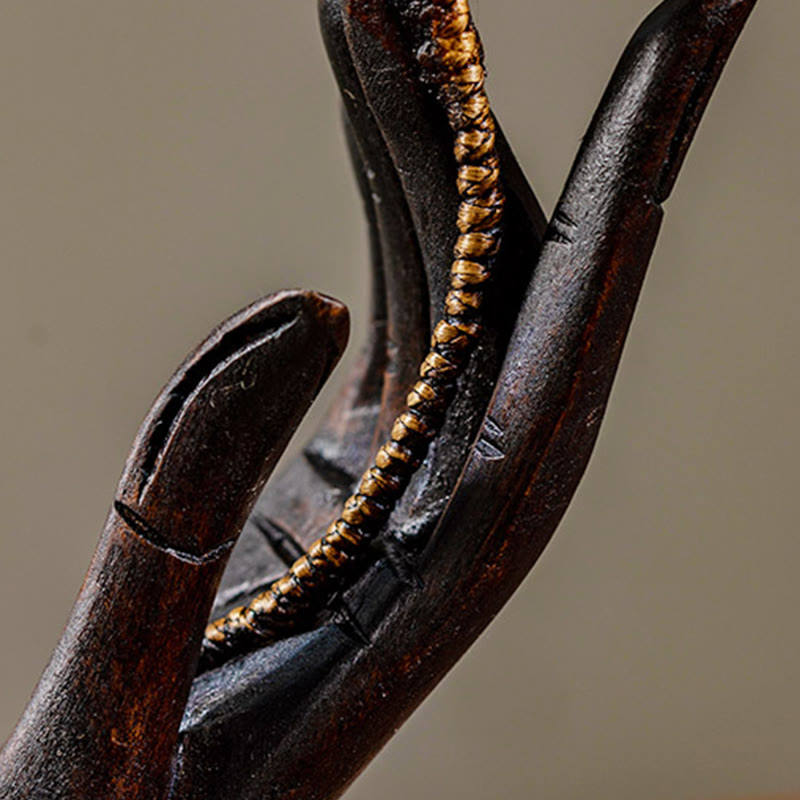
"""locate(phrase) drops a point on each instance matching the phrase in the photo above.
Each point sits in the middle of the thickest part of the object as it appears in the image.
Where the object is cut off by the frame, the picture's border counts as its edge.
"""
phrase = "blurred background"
(163, 163)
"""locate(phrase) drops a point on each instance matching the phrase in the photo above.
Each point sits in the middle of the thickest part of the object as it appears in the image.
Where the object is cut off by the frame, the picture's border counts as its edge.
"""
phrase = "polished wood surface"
(303, 716)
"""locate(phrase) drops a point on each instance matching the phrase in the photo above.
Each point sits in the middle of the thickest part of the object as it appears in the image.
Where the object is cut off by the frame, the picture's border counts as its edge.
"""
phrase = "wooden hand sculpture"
(307, 673)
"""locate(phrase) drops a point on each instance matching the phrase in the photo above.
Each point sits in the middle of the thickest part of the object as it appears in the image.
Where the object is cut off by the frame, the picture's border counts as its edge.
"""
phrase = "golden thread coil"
(452, 60)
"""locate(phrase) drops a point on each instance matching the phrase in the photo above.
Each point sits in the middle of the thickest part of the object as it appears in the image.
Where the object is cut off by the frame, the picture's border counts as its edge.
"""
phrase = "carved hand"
(117, 712)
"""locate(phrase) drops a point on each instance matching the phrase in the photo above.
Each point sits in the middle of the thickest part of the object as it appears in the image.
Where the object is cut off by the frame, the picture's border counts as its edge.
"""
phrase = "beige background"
(162, 163)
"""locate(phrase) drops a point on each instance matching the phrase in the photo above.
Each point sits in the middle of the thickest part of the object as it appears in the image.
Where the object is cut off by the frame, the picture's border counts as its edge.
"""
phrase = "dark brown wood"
(104, 719)
(303, 716)
(525, 464)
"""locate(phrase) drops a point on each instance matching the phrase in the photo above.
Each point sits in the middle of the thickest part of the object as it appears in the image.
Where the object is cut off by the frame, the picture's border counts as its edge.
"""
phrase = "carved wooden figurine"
(369, 566)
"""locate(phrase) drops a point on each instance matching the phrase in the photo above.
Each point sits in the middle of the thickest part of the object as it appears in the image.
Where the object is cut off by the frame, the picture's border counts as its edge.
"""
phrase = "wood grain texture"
(526, 460)
(104, 719)
(302, 717)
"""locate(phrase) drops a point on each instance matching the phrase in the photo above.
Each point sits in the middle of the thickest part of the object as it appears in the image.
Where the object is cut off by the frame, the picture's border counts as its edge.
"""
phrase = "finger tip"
(335, 317)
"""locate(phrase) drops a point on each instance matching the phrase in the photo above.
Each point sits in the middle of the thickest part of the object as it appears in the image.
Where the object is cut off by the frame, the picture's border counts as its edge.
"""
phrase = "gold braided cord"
(452, 59)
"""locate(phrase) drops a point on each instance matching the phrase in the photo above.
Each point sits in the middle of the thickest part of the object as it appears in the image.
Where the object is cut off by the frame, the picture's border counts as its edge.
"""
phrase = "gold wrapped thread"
(453, 57)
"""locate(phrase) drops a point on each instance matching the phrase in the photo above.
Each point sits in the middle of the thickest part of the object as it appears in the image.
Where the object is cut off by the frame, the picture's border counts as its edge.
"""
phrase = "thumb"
(103, 721)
